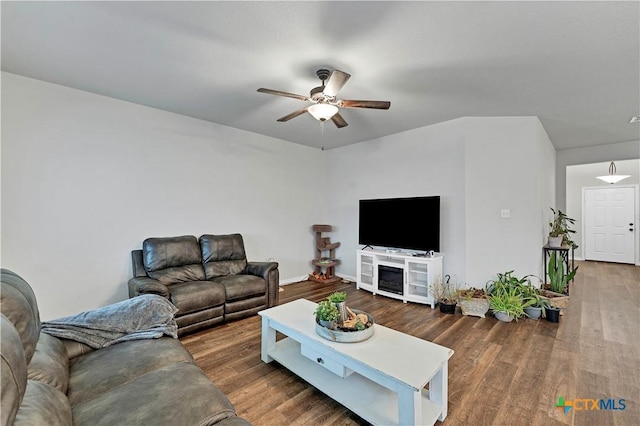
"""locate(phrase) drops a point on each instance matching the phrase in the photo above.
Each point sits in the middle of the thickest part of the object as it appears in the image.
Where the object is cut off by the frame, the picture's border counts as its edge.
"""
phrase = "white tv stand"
(419, 274)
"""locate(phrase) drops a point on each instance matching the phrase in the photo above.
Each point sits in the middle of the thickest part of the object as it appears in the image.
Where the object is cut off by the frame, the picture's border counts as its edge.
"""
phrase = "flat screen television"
(401, 223)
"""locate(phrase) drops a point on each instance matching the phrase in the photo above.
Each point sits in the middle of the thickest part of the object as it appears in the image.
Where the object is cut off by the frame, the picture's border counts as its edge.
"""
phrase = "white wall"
(422, 162)
(476, 166)
(86, 178)
(584, 176)
(509, 164)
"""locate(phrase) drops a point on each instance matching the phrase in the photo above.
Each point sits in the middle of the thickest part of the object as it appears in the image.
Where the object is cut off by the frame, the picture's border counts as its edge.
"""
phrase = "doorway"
(609, 224)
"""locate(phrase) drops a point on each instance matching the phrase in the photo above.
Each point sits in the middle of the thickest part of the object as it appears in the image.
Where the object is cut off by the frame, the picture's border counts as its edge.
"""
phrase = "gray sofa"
(51, 381)
(208, 279)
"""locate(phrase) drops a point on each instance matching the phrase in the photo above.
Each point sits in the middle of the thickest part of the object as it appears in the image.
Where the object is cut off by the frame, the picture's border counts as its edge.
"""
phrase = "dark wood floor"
(500, 374)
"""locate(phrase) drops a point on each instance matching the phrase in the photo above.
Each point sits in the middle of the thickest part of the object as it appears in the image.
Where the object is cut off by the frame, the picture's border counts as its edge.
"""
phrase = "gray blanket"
(143, 317)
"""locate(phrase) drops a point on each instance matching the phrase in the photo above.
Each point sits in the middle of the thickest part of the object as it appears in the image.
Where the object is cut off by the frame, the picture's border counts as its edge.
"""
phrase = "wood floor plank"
(593, 352)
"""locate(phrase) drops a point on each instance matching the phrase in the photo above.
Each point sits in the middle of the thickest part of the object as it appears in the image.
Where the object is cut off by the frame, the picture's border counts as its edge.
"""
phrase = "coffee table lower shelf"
(369, 400)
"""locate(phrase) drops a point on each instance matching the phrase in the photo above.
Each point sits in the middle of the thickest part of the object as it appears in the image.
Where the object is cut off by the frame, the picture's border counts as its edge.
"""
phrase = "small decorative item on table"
(349, 325)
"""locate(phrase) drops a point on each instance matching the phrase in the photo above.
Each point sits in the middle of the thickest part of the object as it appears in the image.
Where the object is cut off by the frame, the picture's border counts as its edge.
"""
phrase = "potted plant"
(473, 301)
(560, 230)
(327, 314)
(339, 298)
(553, 314)
(506, 296)
(507, 304)
(534, 305)
(445, 293)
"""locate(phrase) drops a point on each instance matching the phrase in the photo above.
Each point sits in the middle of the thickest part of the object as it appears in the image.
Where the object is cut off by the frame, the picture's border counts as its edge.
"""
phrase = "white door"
(609, 224)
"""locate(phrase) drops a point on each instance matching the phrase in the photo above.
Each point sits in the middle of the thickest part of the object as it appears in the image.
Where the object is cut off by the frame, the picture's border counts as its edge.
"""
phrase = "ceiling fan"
(325, 105)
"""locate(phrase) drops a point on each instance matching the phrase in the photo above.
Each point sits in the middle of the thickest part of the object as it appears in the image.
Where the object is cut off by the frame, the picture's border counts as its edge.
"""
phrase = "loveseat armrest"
(146, 285)
(269, 271)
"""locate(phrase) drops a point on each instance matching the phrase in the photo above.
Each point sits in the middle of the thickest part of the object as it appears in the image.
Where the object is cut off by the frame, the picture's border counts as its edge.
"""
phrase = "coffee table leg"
(438, 388)
(409, 406)
(268, 340)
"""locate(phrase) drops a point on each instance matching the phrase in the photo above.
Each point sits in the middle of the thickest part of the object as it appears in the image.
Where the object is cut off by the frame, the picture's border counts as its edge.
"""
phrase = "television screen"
(401, 223)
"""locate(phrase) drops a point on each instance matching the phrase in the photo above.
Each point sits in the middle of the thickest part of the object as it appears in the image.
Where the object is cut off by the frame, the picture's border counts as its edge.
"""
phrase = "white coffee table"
(381, 379)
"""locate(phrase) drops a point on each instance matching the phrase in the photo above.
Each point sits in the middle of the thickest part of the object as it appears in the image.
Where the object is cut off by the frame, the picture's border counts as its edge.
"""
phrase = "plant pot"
(447, 308)
(533, 312)
(503, 316)
(555, 241)
(474, 307)
(553, 314)
(328, 324)
(342, 308)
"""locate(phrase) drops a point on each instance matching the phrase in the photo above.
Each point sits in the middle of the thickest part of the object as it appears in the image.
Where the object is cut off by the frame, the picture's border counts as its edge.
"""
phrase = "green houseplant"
(558, 278)
(337, 297)
(507, 296)
(560, 230)
(534, 304)
(327, 314)
(507, 304)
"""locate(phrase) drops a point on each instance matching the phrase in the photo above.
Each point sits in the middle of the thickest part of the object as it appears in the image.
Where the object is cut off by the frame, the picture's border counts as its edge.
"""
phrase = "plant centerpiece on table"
(339, 299)
(446, 294)
(473, 301)
(560, 230)
(327, 314)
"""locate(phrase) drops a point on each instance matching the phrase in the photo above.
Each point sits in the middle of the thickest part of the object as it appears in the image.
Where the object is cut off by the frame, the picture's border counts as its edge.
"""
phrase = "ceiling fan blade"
(364, 104)
(337, 79)
(280, 93)
(338, 120)
(293, 115)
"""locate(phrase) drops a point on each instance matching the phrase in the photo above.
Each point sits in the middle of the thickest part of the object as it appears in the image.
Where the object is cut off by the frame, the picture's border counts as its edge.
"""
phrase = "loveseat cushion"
(195, 296)
(50, 363)
(223, 255)
(99, 371)
(239, 287)
(151, 399)
(43, 405)
(173, 259)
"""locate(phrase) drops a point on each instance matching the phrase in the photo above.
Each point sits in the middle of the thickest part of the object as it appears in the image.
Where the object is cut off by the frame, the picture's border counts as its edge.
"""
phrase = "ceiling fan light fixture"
(322, 112)
(612, 177)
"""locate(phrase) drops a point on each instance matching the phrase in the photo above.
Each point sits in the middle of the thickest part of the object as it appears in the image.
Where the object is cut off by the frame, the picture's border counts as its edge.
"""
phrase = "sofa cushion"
(18, 304)
(239, 287)
(50, 363)
(223, 255)
(177, 394)
(196, 295)
(13, 371)
(173, 259)
(99, 371)
(43, 405)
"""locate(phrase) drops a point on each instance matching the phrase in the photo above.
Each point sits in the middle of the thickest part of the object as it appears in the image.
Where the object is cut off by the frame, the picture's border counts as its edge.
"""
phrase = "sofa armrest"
(146, 285)
(268, 271)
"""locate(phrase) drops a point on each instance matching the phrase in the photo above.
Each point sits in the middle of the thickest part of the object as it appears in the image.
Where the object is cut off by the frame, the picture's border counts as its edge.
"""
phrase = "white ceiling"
(575, 65)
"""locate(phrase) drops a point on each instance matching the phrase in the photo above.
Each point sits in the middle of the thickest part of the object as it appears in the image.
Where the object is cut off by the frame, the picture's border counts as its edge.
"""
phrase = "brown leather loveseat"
(208, 279)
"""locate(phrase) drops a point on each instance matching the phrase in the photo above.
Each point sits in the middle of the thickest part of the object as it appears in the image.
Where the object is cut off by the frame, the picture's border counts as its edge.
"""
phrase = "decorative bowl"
(342, 336)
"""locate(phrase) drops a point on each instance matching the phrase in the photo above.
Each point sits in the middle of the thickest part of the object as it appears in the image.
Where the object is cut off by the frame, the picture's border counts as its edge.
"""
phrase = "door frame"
(636, 240)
